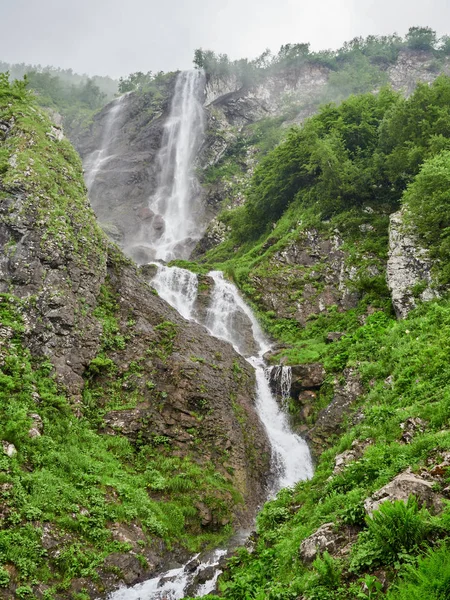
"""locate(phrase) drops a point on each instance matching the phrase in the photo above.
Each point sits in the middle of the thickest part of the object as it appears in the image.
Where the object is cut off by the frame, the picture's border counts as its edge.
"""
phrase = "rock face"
(412, 67)
(178, 387)
(403, 486)
(330, 420)
(408, 268)
(306, 278)
(130, 134)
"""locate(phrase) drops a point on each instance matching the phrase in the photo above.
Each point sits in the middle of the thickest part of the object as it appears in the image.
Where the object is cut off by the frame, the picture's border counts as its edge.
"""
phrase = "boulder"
(326, 539)
(401, 488)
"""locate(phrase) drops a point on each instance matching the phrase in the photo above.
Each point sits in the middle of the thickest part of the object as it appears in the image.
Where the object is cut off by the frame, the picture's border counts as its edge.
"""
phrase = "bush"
(429, 580)
(398, 528)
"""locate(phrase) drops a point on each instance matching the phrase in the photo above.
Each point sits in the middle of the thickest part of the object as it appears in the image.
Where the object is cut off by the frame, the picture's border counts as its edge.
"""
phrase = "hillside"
(131, 436)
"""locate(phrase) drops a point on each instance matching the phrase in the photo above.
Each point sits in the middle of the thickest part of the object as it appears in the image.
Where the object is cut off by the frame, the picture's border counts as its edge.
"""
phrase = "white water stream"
(99, 157)
(176, 203)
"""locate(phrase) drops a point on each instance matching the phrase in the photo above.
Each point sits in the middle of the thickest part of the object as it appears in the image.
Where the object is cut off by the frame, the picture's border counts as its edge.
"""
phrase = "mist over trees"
(356, 67)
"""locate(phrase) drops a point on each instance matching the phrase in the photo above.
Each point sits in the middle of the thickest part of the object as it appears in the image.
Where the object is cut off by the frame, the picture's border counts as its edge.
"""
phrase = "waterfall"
(96, 160)
(172, 584)
(177, 223)
(178, 287)
(178, 213)
(281, 379)
(291, 456)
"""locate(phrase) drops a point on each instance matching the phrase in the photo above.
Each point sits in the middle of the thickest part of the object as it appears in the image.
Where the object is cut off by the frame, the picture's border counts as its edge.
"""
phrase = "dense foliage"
(366, 150)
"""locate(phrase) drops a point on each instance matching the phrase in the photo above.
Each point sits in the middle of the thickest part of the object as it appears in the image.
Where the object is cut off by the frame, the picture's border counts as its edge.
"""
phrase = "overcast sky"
(112, 37)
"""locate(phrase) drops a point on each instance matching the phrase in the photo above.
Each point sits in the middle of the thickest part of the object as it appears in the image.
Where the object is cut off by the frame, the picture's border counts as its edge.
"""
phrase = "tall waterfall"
(99, 157)
(178, 219)
(176, 224)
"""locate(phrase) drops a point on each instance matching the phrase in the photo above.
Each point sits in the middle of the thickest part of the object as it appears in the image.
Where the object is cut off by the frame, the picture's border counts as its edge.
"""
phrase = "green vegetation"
(76, 97)
(343, 173)
(395, 536)
(356, 67)
(65, 484)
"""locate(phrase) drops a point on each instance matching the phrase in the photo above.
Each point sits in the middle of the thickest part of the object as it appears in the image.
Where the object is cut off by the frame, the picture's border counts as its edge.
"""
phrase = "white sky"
(108, 37)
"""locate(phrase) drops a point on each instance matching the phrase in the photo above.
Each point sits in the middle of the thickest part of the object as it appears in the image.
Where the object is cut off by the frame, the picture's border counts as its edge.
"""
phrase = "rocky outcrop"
(306, 278)
(408, 267)
(401, 488)
(330, 420)
(412, 67)
(330, 538)
(348, 456)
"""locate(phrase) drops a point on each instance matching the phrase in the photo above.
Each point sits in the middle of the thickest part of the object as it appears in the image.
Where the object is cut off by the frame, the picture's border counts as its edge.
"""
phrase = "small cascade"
(178, 287)
(172, 585)
(280, 380)
(226, 318)
(291, 457)
(99, 157)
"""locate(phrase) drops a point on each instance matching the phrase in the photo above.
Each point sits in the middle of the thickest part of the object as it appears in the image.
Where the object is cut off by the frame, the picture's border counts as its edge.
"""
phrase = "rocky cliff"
(126, 430)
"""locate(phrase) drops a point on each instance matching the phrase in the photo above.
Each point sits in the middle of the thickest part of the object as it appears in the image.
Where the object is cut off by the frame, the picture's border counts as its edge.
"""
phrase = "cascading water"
(281, 378)
(177, 223)
(178, 287)
(99, 157)
(291, 456)
(178, 213)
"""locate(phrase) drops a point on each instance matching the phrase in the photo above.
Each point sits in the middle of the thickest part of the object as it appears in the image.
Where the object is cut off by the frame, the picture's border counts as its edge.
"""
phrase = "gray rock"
(408, 265)
(354, 453)
(326, 538)
(401, 488)
(329, 421)
(9, 449)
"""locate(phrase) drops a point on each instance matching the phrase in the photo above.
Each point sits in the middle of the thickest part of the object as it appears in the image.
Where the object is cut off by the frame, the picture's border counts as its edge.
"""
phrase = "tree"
(421, 38)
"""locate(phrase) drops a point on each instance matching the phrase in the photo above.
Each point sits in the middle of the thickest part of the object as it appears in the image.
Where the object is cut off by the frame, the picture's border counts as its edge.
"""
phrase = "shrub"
(429, 580)
(399, 528)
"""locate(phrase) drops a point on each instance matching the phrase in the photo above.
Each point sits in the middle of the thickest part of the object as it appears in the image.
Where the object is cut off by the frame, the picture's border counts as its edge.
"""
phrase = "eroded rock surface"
(401, 488)
(408, 268)
(330, 421)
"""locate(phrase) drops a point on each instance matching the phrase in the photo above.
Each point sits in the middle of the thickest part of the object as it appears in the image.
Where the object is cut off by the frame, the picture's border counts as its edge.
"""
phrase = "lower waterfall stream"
(291, 460)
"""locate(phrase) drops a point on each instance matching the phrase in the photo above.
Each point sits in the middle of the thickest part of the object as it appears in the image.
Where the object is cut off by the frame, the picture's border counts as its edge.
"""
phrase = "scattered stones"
(37, 427)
